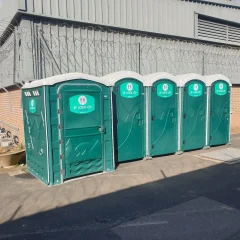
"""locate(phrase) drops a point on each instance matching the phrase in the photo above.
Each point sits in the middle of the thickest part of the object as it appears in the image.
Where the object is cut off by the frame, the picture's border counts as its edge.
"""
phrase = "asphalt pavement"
(170, 197)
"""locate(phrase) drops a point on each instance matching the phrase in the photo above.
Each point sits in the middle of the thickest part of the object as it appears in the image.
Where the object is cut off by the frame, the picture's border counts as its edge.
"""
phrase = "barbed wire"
(56, 48)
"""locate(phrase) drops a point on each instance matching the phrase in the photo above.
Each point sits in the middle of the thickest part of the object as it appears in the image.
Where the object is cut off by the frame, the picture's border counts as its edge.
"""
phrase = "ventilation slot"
(234, 34)
(211, 29)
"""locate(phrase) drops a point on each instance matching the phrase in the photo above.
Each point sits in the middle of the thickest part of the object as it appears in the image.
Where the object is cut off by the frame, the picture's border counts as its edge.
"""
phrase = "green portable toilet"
(162, 114)
(129, 114)
(219, 102)
(68, 127)
(193, 111)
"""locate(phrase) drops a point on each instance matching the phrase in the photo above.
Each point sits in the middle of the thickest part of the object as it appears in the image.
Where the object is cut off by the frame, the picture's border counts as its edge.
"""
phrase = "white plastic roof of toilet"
(151, 78)
(184, 78)
(210, 79)
(112, 78)
(63, 78)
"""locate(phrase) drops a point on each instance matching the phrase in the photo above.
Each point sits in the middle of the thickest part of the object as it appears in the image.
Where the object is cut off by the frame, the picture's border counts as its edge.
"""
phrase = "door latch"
(153, 118)
(184, 115)
(102, 129)
(41, 152)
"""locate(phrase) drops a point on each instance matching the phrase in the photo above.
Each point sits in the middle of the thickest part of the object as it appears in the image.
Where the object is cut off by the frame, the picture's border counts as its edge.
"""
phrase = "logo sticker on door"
(165, 90)
(82, 104)
(32, 106)
(221, 88)
(129, 90)
(195, 90)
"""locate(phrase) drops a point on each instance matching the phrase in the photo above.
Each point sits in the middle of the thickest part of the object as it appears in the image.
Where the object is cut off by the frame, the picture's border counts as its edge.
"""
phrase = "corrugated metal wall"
(44, 49)
(171, 17)
(69, 48)
(39, 48)
(7, 62)
(50, 48)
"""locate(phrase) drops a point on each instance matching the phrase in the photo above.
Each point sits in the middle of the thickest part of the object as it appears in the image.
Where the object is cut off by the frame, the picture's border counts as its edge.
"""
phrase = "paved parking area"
(97, 207)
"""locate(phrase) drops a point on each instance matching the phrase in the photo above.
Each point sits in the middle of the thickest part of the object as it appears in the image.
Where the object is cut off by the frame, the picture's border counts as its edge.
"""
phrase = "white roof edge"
(210, 79)
(62, 78)
(151, 78)
(112, 78)
(184, 78)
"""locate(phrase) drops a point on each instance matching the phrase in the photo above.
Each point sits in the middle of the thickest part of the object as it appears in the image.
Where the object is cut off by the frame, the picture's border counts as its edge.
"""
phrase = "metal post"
(203, 63)
(139, 58)
(49, 51)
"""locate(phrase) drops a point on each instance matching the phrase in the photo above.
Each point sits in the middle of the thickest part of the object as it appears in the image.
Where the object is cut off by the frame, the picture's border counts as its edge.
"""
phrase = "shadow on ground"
(95, 218)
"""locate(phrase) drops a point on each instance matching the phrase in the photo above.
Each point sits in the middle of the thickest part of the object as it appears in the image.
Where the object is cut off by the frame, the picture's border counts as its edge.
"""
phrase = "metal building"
(42, 38)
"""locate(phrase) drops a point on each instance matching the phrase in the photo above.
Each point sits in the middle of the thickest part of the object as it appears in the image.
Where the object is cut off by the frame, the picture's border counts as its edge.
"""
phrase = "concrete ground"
(172, 197)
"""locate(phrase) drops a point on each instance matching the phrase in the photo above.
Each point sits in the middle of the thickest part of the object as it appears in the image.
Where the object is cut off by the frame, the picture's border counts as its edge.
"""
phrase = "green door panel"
(164, 115)
(194, 115)
(35, 134)
(83, 130)
(219, 113)
(128, 97)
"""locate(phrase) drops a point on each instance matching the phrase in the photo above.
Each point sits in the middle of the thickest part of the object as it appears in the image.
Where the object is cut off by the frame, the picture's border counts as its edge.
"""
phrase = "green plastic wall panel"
(34, 117)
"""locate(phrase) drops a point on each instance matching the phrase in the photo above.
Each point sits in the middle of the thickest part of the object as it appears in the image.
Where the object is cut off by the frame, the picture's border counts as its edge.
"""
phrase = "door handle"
(153, 118)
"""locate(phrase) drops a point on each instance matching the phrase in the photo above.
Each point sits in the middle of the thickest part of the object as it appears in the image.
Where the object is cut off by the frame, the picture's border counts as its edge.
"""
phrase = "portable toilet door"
(193, 115)
(219, 111)
(79, 123)
(129, 115)
(162, 112)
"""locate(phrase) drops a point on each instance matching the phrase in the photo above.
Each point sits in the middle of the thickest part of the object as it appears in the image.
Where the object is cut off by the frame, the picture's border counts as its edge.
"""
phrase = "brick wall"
(12, 115)
(235, 124)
